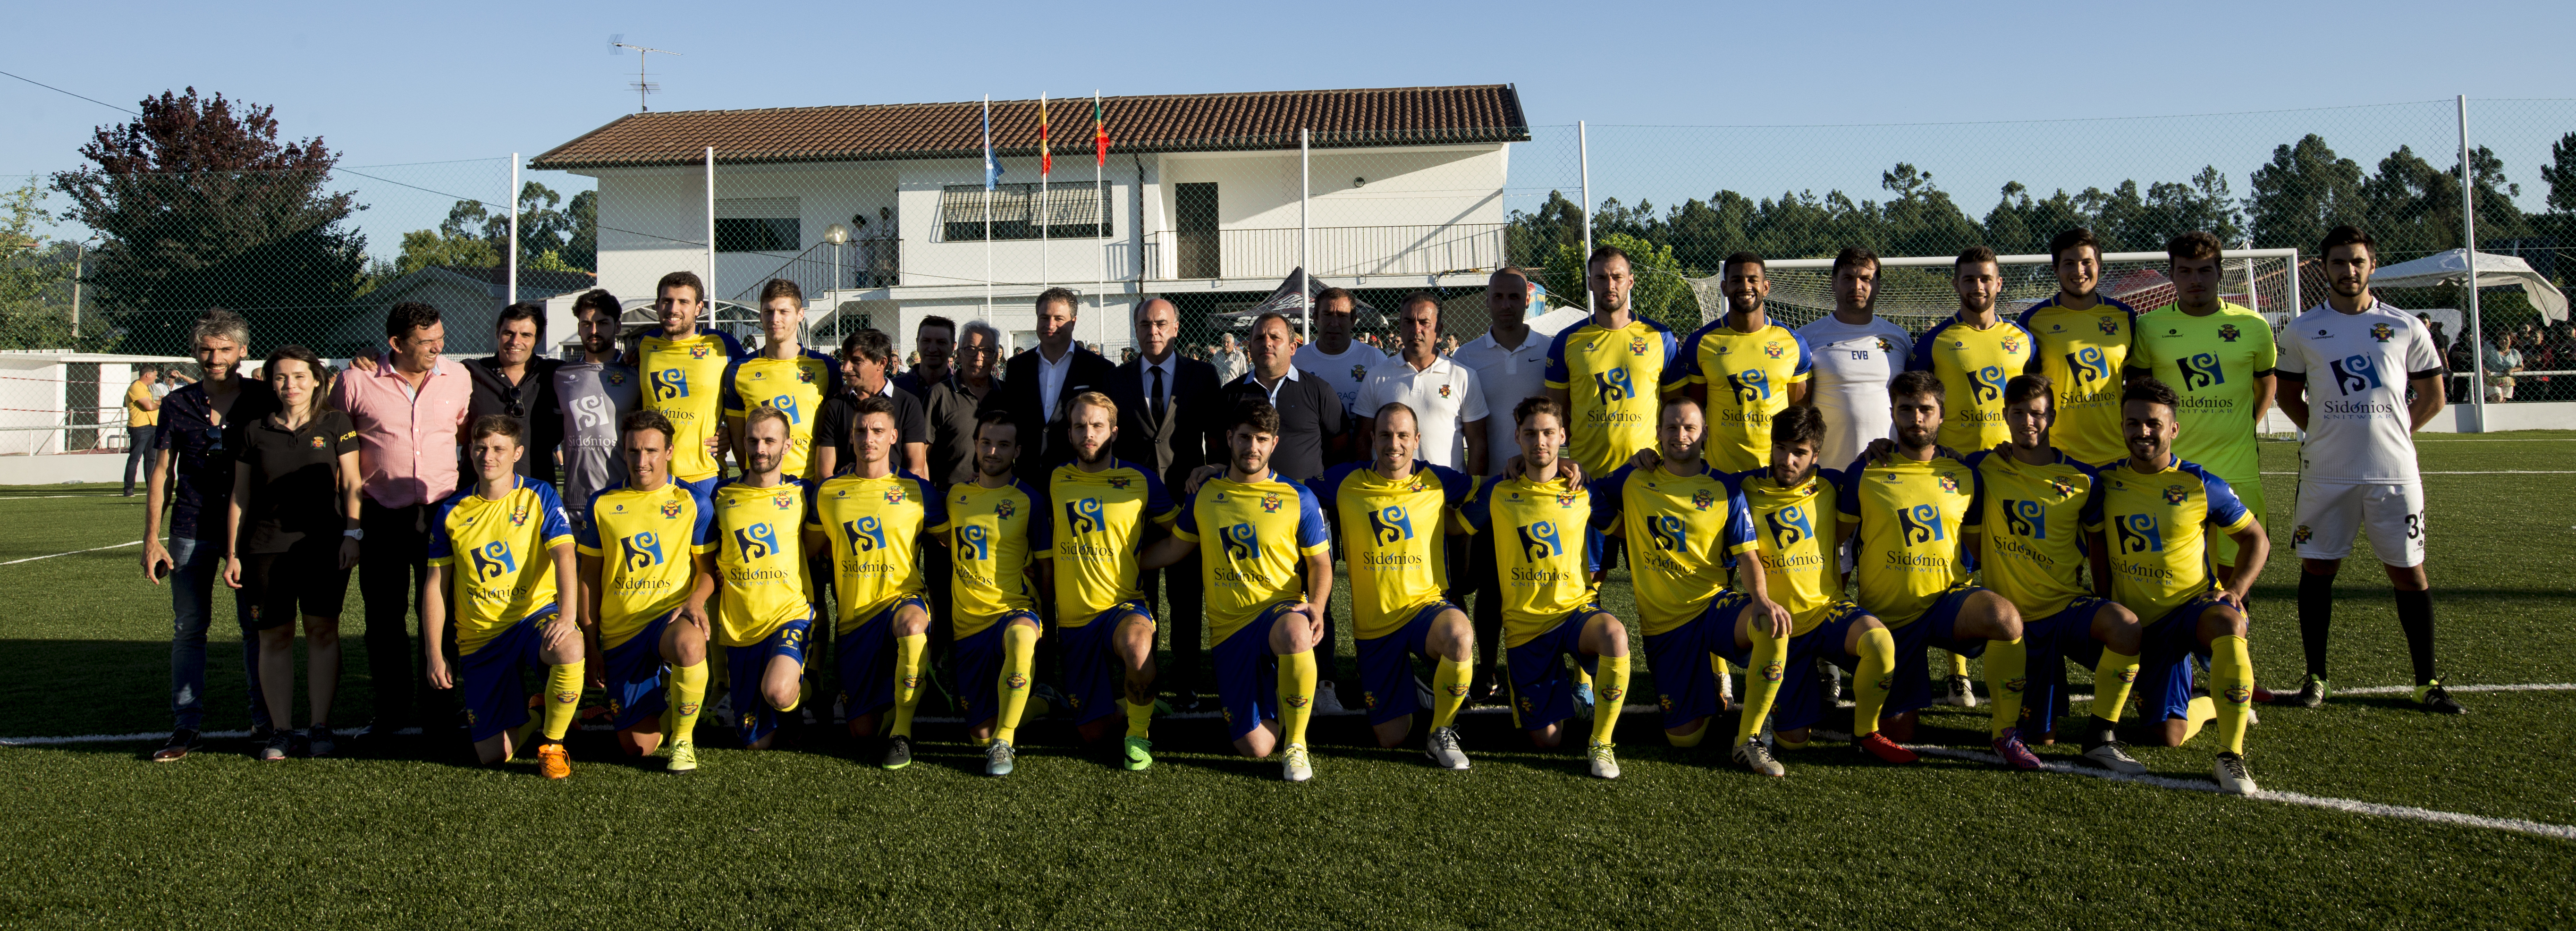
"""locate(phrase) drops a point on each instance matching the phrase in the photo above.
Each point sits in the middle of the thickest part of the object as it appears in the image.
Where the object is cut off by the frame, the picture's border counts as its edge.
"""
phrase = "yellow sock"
(2112, 678)
(1720, 664)
(909, 651)
(1581, 677)
(1689, 740)
(563, 699)
(2199, 713)
(2005, 662)
(1140, 719)
(1787, 744)
(1449, 690)
(1296, 694)
(2231, 681)
(1958, 665)
(804, 690)
(1761, 682)
(1871, 680)
(1036, 708)
(1608, 697)
(1019, 658)
(688, 692)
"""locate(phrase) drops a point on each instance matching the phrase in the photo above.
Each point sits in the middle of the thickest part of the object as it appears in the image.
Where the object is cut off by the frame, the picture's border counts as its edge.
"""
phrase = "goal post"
(1914, 291)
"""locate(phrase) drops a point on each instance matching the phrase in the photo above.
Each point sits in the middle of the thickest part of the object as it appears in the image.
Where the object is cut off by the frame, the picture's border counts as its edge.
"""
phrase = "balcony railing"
(1338, 251)
(862, 263)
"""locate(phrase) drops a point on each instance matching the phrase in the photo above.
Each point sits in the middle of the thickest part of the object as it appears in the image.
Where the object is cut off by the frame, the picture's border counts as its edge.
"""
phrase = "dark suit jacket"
(1042, 443)
(1310, 415)
(1180, 443)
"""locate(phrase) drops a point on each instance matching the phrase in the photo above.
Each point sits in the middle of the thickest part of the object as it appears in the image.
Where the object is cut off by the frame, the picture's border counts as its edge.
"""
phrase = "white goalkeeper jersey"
(2356, 367)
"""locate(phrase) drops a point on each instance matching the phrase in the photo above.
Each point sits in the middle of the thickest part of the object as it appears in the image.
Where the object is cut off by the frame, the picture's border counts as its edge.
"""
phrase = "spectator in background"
(1449, 345)
(142, 407)
(2502, 360)
(866, 356)
(518, 382)
(593, 395)
(410, 415)
(1036, 383)
(2441, 341)
(1229, 361)
(935, 342)
(194, 448)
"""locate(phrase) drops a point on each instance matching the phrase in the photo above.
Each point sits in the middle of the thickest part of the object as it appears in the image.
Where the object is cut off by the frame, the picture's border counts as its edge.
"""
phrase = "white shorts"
(2329, 515)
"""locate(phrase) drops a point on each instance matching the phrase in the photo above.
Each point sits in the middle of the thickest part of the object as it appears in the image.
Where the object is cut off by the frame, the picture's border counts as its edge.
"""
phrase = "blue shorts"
(1798, 704)
(1094, 680)
(752, 716)
(496, 697)
(1386, 672)
(2050, 642)
(1911, 689)
(1685, 684)
(2168, 657)
(1542, 692)
(637, 679)
(1247, 674)
(978, 660)
(865, 654)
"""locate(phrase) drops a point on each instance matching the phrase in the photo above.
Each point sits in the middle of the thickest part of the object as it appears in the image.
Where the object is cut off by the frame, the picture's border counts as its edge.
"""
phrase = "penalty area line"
(72, 553)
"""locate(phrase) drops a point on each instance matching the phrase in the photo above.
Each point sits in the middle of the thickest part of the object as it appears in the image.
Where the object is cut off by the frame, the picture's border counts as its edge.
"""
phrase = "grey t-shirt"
(594, 398)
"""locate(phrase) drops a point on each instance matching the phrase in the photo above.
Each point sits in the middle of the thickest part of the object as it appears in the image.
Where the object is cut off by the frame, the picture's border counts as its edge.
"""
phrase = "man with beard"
(996, 526)
(1743, 369)
(595, 395)
(1972, 353)
(1112, 510)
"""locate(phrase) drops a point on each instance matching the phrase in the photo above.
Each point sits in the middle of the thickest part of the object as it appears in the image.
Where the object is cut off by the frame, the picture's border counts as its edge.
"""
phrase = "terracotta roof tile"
(1162, 123)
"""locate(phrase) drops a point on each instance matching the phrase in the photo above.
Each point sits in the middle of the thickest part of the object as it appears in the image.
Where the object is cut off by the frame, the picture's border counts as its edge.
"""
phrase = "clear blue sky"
(405, 83)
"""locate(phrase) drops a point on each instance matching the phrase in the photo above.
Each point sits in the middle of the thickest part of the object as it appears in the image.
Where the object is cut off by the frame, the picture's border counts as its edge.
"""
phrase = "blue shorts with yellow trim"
(1799, 703)
(1911, 689)
(1542, 691)
(2050, 642)
(1386, 673)
(2168, 658)
(978, 658)
(1247, 674)
(637, 677)
(495, 694)
(752, 716)
(1094, 680)
(1685, 684)
(865, 658)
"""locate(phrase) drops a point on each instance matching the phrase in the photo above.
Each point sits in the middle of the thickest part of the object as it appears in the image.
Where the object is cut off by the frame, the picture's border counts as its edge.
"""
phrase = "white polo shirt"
(1853, 367)
(1345, 372)
(1505, 377)
(1444, 397)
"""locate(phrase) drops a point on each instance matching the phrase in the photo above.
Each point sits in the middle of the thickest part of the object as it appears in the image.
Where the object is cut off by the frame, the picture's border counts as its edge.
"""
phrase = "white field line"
(72, 553)
(2392, 690)
(135, 738)
(2500, 472)
(107, 497)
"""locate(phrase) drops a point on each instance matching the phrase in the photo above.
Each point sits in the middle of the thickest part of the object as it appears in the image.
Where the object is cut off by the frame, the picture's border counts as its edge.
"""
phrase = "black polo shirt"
(294, 492)
(1309, 412)
(911, 425)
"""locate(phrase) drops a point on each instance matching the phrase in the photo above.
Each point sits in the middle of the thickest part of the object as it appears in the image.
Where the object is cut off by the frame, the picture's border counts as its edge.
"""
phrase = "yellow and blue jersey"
(1747, 376)
(1612, 378)
(760, 561)
(2033, 519)
(647, 543)
(1973, 365)
(2156, 527)
(875, 528)
(993, 537)
(1392, 532)
(2082, 352)
(1911, 518)
(507, 574)
(2212, 362)
(796, 387)
(1544, 550)
(1253, 540)
(1099, 523)
(1794, 529)
(684, 379)
(1683, 533)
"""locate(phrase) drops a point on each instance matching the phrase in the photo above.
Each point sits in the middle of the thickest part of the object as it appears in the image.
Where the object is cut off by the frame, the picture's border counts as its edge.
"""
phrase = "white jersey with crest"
(2356, 367)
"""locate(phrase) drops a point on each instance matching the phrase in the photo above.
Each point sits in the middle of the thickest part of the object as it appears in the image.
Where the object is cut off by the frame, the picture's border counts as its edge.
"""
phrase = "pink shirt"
(408, 443)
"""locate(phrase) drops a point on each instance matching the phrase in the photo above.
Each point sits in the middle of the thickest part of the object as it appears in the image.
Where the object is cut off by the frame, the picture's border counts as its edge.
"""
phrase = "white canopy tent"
(2494, 271)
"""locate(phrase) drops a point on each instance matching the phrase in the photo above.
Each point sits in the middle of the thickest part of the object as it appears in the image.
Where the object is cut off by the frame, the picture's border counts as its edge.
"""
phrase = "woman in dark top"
(292, 537)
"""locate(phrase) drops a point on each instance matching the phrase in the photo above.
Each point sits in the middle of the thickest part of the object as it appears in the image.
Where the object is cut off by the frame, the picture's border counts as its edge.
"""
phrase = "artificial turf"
(93, 835)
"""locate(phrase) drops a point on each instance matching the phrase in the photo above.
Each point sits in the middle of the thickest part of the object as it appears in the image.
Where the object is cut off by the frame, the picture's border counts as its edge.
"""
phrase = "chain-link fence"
(115, 265)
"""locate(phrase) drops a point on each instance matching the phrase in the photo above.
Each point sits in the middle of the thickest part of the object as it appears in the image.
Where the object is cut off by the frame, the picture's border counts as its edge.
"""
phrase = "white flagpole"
(1046, 274)
(988, 207)
(510, 289)
(1099, 229)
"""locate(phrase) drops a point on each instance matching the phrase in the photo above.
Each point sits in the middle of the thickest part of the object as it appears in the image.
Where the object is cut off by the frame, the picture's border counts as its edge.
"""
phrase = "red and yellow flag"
(1099, 133)
(1046, 159)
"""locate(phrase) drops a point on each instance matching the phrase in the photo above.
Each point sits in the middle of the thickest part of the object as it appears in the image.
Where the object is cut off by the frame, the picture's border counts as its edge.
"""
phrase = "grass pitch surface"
(92, 835)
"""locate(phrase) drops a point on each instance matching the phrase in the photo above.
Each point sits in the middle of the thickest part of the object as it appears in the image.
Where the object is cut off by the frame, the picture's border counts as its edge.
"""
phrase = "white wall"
(930, 260)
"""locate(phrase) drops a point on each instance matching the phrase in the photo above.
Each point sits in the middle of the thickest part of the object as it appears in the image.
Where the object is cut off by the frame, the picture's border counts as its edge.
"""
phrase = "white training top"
(1444, 399)
(2356, 367)
(1344, 373)
(1505, 377)
(1853, 367)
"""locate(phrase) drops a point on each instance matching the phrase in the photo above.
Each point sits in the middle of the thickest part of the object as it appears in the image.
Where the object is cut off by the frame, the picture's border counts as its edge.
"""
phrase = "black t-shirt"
(294, 488)
(911, 425)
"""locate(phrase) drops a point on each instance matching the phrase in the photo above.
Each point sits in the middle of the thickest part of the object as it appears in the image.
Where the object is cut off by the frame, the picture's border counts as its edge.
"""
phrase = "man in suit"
(1168, 411)
(1310, 415)
(1036, 383)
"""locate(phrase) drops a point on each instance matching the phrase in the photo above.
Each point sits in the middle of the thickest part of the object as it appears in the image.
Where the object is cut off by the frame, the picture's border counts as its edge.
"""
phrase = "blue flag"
(992, 168)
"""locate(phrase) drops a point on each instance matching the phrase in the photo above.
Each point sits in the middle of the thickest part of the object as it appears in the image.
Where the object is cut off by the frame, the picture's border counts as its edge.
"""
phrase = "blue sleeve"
(2022, 319)
(1921, 359)
(1672, 345)
(831, 373)
(1455, 486)
(1847, 487)
(733, 347)
(588, 535)
(1976, 515)
(2225, 509)
(1328, 486)
(1607, 498)
(1806, 359)
(1041, 518)
(1187, 520)
(1739, 523)
(1478, 511)
(2089, 515)
(1311, 531)
(1557, 372)
(1158, 499)
(1676, 374)
(440, 545)
(1591, 549)
(556, 522)
(814, 505)
(727, 399)
(934, 507)
(704, 533)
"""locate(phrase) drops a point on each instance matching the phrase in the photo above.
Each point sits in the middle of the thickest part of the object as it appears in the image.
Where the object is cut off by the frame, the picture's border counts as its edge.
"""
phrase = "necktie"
(1154, 398)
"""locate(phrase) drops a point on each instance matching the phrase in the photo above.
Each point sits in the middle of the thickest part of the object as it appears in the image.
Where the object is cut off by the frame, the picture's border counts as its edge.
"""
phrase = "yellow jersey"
(1612, 377)
(2156, 527)
(508, 574)
(1683, 533)
(2212, 362)
(1747, 376)
(1973, 365)
(1392, 532)
(875, 526)
(646, 542)
(2032, 521)
(1098, 530)
(1794, 527)
(684, 379)
(994, 535)
(760, 561)
(1253, 540)
(796, 387)
(1544, 550)
(2082, 352)
(1911, 517)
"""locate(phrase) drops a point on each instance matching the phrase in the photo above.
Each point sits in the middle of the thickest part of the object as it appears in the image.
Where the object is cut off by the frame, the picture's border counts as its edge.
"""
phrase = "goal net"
(1914, 291)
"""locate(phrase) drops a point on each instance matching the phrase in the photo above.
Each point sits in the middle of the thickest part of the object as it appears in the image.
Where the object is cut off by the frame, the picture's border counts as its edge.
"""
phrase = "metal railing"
(863, 263)
(1337, 251)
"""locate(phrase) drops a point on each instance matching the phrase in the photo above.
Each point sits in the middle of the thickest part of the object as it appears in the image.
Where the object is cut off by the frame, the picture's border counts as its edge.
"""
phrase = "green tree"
(2301, 193)
(199, 204)
(1662, 293)
(475, 236)
(34, 313)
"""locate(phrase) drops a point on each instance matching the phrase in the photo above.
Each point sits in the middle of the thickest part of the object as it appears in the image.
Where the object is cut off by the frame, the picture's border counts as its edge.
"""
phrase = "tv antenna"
(643, 83)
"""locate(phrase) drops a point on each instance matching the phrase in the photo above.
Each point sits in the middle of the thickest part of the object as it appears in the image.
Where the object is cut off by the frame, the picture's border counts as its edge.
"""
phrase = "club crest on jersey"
(1565, 501)
(804, 375)
(614, 377)
(1270, 503)
(784, 500)
(1002, 510)
(2063, 488)
(1368, 699)
(2012, 344)
(2174, 494)
(2382, 331)
(1637, 347)
(894, 496)
(2229, 332)
(1359, 372)
(519, 516)
(697, 352)
(669, 508)
(1120, 482)
(1702, 499)
(2301, 535)
(1444, 391)
(2110, 327)
(1772, 349)
(1949, 485)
